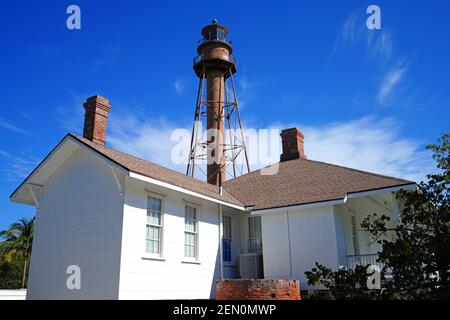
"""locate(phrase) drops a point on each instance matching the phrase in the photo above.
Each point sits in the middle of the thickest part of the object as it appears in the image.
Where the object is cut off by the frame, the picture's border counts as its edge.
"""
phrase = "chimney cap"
(98, 98)
(291, 129)
(97, 101)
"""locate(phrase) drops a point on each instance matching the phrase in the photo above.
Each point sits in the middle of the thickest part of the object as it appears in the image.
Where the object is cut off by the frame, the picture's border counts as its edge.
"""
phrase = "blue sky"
(370, 99)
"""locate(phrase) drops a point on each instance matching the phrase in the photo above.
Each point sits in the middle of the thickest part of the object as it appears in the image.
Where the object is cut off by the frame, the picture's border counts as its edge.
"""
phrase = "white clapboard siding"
(78, 223)
(170, 278)
(312, 238)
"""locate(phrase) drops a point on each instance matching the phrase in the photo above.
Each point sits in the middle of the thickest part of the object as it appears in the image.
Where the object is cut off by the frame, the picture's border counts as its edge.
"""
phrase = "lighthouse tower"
(224, 146)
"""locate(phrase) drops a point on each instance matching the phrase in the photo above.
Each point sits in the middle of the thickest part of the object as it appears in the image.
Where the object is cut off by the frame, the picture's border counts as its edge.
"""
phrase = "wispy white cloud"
(26, 115)
(147, 138)
(18, 166)
(7, 125)
(4, 153)
(244, 84)
(350, 32)
(70, 115)
(245, 90)
(179, 86)
(390, 82)
(378, 45)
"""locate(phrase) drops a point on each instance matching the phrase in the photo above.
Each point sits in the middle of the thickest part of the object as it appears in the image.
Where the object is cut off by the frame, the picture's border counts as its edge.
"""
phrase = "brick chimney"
(293, 146)
(95, 119)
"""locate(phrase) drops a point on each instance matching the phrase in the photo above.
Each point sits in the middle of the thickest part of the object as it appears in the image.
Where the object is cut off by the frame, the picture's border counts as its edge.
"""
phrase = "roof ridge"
(328, 164)
(360, 171)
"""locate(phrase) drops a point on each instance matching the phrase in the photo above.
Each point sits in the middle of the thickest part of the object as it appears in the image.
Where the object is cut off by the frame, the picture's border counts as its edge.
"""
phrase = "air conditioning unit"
(251, 266)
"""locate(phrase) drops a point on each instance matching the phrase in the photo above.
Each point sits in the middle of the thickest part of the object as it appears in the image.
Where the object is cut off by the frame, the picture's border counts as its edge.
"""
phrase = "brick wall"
(257, 289)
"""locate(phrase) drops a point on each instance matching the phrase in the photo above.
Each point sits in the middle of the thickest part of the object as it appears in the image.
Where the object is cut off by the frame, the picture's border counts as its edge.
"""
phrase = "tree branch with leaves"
(17, 241)
(418, 256)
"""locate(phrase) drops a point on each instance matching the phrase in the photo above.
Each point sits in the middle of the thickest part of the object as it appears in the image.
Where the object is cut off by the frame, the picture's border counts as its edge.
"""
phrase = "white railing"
(363, 260)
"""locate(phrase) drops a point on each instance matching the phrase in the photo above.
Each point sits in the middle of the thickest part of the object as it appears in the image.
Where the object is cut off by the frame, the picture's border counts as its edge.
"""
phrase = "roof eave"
(373, 192)
(169, 186)
(337, 201)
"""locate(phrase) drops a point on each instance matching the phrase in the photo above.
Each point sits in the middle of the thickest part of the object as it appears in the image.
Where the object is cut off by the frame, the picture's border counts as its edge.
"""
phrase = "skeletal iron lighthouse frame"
(234, 145)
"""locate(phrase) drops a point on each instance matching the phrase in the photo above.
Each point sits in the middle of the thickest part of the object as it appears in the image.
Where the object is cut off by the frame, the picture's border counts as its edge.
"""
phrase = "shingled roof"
(158, 172)
(303, 181)
(297, 182)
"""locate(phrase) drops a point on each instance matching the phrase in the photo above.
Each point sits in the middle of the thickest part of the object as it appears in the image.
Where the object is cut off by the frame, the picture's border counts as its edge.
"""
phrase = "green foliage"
(16, 246)
(11, 273)
(418, 257)
(343, 283)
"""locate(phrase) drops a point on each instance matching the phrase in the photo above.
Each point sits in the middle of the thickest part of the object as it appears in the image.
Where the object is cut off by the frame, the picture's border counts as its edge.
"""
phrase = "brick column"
(96, 118)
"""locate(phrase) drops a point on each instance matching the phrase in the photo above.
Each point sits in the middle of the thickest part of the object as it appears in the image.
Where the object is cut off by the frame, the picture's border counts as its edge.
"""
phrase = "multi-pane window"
(190, 232)
(154, 226)
(226, 242)
(254, 235)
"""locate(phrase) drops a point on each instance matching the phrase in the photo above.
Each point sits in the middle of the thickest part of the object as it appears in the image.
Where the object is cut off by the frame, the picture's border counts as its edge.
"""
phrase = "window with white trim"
(190, 232)
(226, 239)
(254, 235)
(154, 226)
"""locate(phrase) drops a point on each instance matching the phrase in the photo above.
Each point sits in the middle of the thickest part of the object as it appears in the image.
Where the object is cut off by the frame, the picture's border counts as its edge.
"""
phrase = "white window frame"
(250, 238)
(154, 255)
(196, 233)
(230, 238)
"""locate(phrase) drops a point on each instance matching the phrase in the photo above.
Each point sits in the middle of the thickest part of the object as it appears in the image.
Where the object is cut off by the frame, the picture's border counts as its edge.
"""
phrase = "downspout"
(289, 243)
(397, 208)
(220, 242)
(122, 225)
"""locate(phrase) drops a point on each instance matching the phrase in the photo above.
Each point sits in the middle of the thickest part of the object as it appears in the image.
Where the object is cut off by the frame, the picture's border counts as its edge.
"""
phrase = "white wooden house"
(138, 230)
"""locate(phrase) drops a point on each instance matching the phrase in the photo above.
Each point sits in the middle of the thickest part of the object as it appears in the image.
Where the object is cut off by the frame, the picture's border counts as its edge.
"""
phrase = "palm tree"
(18, 241)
